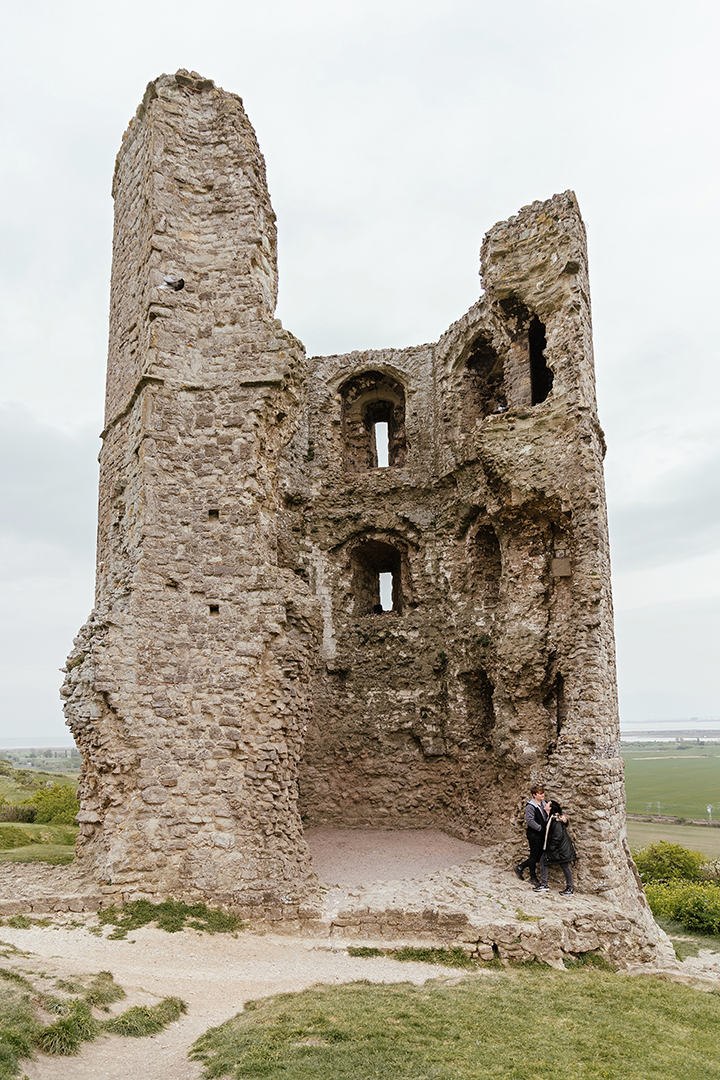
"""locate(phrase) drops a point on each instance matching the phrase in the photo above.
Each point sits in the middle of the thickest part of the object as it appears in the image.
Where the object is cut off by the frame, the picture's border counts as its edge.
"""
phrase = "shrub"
(695, 906)
(17, 812)
(669, 862)
(55, 805)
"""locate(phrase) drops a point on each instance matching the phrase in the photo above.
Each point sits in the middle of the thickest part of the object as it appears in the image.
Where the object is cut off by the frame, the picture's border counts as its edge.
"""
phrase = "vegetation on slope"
(516, 1025)
(58, 1021)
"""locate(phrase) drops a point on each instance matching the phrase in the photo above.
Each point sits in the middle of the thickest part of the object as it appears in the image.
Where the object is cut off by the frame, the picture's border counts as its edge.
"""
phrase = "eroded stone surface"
(238, 674)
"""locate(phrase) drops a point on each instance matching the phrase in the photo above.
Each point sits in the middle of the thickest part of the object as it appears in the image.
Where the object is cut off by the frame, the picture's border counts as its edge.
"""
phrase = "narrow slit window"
(382, 445)
(541, 377)
(386, 591)
(561, 703)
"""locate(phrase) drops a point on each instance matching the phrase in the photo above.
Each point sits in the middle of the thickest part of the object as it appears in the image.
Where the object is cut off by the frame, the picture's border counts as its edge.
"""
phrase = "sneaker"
(519, 871)
(541, 888)
(567, 892)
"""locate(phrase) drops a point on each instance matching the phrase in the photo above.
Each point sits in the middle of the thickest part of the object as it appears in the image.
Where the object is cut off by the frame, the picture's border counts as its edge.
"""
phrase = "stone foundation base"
(476, 905)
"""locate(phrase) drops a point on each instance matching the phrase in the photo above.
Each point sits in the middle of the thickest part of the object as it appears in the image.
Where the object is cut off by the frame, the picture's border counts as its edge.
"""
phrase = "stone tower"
(241, 667)
(188, 687)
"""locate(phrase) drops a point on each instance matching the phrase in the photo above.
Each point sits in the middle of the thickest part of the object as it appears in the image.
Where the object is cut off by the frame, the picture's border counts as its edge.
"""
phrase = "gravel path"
(215, 975)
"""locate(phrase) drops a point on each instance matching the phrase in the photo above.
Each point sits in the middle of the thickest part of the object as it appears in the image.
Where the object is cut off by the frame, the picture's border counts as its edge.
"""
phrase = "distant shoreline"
(671, 733)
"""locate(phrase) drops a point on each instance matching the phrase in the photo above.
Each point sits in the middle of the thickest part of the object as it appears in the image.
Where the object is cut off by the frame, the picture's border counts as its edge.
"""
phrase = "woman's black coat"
(558, 845)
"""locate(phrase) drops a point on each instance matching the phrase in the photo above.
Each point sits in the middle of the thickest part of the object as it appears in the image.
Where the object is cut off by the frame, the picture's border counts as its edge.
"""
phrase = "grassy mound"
(34, 842)
(584, 1024)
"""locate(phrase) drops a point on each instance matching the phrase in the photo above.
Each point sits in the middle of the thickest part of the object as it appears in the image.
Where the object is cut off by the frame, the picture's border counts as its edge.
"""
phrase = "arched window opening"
(541, 377)
(376, 579)
(484, 381)
(373, 422)
(479, 692)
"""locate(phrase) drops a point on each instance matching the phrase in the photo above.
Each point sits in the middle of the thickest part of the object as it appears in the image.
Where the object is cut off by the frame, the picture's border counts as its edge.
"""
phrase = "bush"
(17, 812)
(695, 906)
(55, 805)
(669, 862)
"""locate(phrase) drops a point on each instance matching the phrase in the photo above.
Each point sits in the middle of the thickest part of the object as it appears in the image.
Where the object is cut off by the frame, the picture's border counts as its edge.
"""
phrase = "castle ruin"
(242, 673)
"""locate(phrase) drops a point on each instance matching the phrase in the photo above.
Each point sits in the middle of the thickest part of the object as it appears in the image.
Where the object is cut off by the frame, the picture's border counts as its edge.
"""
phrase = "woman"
(558, 849)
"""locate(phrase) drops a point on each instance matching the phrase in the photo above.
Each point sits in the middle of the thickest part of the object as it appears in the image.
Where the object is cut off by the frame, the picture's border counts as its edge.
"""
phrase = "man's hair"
(537, 787)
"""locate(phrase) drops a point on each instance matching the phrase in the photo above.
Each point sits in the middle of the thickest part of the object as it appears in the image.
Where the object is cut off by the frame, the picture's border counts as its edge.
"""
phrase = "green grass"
(686, 748)
(683, 785)
(687, 942)
(455, 957)
(522, 1025)
(171, 915)
(21, 842)
(143, 1020)
(695, 837)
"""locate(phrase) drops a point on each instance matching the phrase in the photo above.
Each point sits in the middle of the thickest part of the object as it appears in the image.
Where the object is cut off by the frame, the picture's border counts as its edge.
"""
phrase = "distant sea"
(38, 742)
(704, 727)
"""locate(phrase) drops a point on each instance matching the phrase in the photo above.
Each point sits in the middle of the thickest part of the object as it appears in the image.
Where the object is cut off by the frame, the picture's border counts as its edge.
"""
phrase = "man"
(536, 817)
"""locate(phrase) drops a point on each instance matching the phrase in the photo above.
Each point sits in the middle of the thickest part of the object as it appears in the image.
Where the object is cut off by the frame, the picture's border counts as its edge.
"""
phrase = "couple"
(549, 841)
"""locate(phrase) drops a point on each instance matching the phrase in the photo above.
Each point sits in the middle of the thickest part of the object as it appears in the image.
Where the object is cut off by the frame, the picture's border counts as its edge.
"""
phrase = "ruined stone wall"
(238, 671)
(496, 668)
(187, 689)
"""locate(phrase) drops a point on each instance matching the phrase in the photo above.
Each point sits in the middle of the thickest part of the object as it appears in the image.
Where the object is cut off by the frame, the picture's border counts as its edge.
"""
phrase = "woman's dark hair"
(555, 807)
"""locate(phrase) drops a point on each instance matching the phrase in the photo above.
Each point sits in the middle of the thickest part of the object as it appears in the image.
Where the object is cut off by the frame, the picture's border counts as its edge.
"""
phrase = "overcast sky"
(395, 134)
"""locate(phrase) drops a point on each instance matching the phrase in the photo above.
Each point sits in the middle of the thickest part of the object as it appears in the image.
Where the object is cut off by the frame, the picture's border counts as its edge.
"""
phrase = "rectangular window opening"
(213, 513)
(386, 591)
(382, 444)
(214, 609)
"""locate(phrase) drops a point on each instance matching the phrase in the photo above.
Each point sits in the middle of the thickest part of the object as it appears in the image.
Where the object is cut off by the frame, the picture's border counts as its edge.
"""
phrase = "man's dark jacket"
(536, 837)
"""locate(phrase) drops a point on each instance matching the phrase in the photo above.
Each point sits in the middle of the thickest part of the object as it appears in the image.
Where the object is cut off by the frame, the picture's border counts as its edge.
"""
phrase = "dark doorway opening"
(541, 377)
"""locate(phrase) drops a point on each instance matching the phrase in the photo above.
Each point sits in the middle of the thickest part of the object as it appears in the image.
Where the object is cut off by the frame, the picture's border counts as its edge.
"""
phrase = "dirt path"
(214, 975)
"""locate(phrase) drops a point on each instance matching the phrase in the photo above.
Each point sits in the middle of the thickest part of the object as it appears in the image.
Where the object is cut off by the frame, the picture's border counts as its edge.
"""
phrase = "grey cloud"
(681, 521)
(48, 486)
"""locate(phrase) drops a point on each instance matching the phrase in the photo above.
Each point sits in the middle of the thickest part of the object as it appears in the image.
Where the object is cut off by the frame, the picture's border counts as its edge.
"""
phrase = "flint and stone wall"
(236, 676)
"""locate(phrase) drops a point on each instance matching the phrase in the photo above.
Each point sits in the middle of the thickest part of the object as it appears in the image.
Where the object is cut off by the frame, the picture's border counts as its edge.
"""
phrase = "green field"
(683, 782)
(642, 833)
(16, 789)
(21, 842)
(583, 1025)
